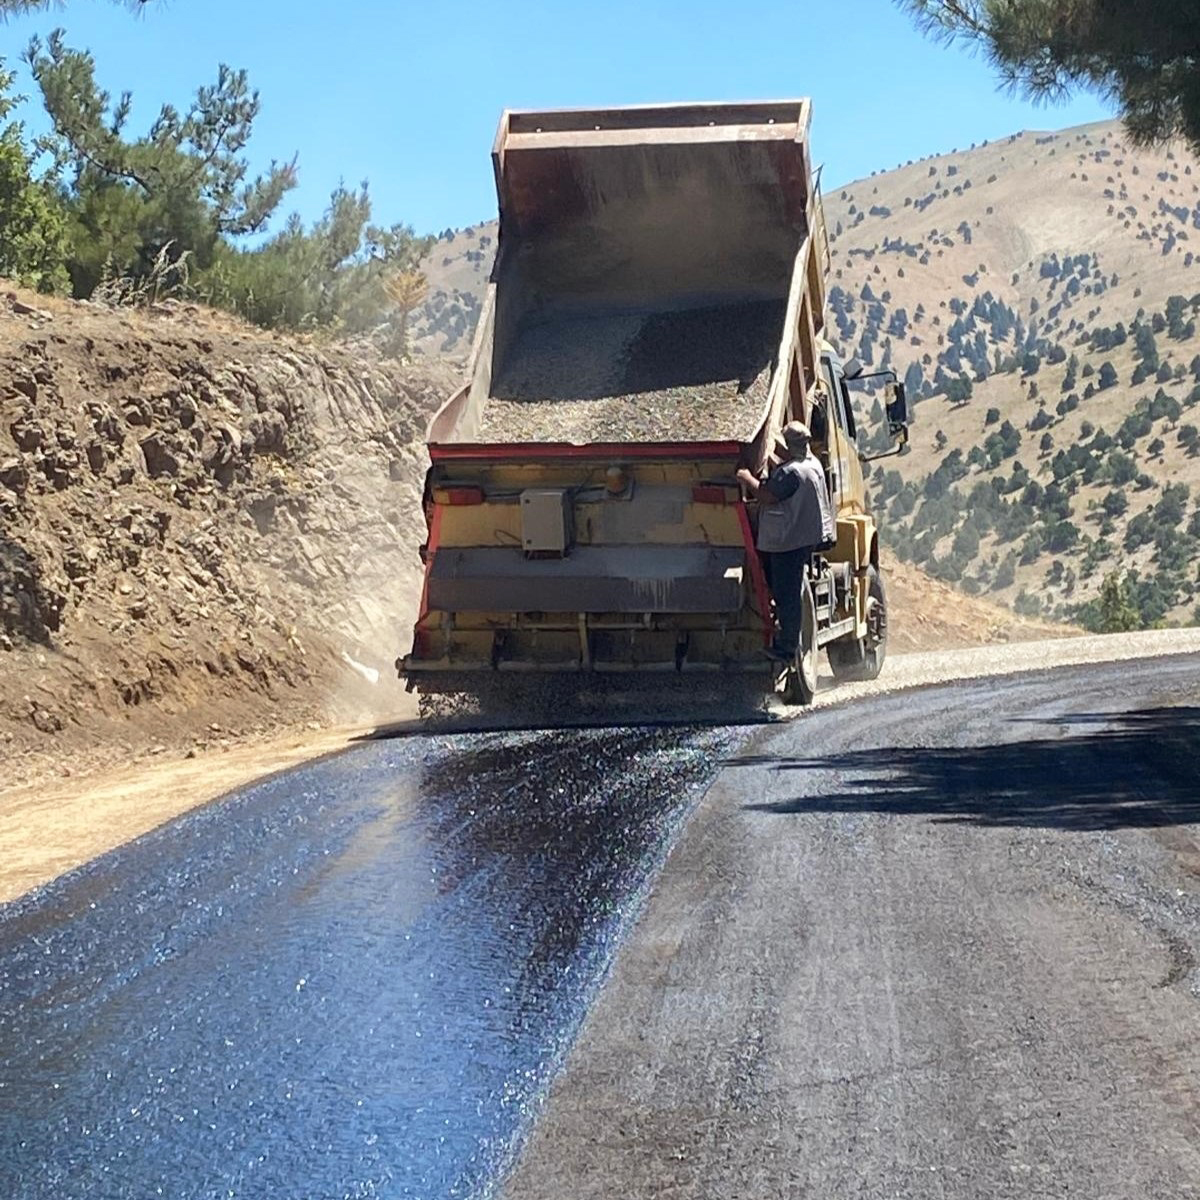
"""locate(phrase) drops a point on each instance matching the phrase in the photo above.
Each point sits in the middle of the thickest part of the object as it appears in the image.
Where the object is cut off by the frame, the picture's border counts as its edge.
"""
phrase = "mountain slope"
(1039, 294)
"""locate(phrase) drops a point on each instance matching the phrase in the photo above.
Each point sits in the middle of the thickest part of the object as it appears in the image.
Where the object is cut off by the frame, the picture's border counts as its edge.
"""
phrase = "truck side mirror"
(852, 369)
(897, 411)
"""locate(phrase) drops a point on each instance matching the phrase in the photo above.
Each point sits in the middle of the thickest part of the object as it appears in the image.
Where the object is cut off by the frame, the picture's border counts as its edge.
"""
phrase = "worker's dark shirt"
(782, 484)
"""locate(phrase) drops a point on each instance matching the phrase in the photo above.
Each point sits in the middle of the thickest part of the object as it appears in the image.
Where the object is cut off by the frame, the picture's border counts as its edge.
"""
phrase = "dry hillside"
(1040, 294)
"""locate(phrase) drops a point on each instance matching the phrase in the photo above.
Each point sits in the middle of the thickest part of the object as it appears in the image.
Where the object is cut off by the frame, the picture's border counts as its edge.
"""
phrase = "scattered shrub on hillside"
(1120, 468)
(1006, 572)
(1171, 506)
(1115, 503)
(1112, 611)
(1026, 605)
(1139, 532)
(1033, 546)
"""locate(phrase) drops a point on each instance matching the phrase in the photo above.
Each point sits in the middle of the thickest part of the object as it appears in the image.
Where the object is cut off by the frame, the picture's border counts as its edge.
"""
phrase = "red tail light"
(458, 495)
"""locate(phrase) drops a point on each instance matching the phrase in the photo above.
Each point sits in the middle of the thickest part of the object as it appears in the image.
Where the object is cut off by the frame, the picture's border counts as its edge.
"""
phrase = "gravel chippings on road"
(939, 944)
(925, 668)
(697, 375)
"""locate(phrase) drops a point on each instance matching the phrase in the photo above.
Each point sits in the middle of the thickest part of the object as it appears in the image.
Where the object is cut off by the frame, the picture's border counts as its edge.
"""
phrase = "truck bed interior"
(645, 262)
(699, 373)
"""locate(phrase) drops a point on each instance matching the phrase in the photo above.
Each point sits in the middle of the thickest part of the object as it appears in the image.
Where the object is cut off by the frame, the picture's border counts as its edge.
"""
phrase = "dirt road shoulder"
(48, 829)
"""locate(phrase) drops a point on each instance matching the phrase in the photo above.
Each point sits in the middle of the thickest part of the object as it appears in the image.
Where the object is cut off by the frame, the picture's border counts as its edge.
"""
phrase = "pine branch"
(19, 8)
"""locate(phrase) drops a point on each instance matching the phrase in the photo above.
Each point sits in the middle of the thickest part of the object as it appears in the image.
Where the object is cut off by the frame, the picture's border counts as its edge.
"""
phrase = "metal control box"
(546, 525)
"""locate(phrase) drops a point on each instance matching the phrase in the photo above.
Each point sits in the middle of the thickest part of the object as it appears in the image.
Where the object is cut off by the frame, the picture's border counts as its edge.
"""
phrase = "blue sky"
(407, 95)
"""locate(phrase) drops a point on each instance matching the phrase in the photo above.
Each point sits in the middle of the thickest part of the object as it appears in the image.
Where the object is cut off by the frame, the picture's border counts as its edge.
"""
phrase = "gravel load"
(697, 375)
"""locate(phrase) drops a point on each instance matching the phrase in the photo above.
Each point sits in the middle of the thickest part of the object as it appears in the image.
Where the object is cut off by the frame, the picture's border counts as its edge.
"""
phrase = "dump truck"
(654, 317)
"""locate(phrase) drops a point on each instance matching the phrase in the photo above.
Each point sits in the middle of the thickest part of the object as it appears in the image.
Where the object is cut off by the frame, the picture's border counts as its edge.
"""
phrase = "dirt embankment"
(927, 614)
(198, 523)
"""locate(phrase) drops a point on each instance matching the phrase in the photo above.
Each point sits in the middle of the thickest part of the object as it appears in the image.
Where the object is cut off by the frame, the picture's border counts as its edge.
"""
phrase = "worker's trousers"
(785, 571)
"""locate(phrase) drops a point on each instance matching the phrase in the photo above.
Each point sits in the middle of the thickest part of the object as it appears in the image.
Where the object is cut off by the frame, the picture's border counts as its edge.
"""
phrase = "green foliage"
(1006, 573)
(319, 277)
(1113, 610)
(1136, 426)
(1002, 444)
(1145, 346)
(904, 501)
(1033, 545)
(120, 214)
(32, 222)
(1115, 504)
(959, 390)
(1139, 531)
(1152, 596)
(966, 543)
(1120, 468)
(1169, 510)
(1061, 536)
(1026, 605)
(182, 185)
(1142, 57)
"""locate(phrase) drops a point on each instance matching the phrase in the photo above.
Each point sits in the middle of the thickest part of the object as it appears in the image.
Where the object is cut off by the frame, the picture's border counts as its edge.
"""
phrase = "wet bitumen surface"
(351, 980)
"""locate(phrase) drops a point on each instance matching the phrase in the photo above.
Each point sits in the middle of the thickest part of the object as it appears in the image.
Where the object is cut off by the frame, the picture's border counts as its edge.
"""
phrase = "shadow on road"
(1102, 771)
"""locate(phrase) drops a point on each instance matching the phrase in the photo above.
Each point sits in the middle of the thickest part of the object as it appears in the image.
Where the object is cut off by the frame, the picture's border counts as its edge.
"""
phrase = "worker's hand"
(747, 477)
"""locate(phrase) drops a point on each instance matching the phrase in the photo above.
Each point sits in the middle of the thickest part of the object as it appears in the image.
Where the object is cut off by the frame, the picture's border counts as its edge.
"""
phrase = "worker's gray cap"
(796, 433)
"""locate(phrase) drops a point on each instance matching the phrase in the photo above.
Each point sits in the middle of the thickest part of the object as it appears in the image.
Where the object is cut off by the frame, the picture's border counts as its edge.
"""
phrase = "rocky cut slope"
(202, 528)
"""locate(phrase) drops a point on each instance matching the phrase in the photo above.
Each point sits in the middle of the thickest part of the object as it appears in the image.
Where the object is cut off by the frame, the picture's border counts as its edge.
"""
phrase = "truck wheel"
(862, 658)
(798, 684)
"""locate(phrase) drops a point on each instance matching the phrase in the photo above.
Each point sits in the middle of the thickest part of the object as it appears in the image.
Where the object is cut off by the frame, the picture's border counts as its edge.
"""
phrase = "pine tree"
(1115, 612)
(18, 8)
(1142, 56)
(176, 190)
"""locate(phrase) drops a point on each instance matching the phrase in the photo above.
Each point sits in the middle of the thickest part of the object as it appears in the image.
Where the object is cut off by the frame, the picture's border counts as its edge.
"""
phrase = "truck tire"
(798, 683)
(858, 659)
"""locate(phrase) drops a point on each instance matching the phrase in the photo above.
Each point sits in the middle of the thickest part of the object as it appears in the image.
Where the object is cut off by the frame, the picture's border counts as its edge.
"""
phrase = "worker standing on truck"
(795, 518)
